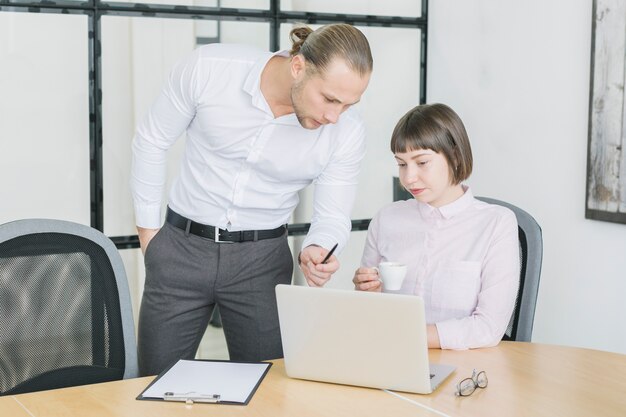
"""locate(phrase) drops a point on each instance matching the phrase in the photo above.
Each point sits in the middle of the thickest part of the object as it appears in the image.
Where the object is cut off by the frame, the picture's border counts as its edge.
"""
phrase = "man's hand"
(145, 236)
(315, 272)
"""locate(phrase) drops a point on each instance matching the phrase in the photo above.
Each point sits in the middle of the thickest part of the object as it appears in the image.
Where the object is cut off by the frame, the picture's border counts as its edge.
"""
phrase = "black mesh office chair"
(531, 254)
(65, 310)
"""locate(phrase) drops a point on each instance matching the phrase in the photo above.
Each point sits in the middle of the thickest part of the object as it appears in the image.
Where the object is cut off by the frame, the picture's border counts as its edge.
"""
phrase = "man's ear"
(298, 66)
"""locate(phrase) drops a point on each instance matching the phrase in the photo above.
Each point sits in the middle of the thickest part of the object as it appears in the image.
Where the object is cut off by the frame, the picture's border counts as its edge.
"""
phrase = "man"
(260, 127)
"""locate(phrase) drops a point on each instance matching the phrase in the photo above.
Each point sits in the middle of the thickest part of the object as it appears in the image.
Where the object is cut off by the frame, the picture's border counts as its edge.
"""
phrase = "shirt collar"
(252, 85)
(449, 210)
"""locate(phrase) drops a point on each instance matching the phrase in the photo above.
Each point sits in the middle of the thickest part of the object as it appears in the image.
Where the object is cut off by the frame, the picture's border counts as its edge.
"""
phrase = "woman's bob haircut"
(438, 128)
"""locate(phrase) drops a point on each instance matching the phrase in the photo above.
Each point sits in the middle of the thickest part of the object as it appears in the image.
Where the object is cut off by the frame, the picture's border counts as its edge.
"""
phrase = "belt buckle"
(216, 236)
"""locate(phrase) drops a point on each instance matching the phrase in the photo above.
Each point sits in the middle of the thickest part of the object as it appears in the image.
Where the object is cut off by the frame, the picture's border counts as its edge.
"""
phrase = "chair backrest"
(65, 309)
(531, 255)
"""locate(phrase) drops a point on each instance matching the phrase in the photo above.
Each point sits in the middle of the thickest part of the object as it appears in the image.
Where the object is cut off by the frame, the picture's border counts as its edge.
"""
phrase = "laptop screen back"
(355, 338)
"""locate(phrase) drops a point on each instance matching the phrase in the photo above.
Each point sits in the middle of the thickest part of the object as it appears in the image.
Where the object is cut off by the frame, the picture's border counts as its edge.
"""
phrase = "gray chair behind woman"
(531, 255)
(65, 309)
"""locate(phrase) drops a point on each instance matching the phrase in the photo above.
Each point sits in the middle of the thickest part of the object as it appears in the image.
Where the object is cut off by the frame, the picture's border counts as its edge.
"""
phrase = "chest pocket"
(456, 286)
(302, 156)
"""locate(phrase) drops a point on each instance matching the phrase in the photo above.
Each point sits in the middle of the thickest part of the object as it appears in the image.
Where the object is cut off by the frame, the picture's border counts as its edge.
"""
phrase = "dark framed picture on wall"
(606, 158)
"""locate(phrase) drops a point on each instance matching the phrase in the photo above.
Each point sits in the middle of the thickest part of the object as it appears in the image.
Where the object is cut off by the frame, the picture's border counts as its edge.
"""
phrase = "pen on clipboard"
(191, 397)
(329, 254)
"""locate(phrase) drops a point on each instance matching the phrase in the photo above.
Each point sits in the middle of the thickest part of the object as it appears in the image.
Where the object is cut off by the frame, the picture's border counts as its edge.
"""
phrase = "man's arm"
(335, 192)
(164, 123)
(145, 236)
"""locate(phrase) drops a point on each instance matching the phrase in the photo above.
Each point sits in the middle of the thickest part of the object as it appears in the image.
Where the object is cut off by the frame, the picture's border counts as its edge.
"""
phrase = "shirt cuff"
(322, 241)
(448, 336)
(148, 217)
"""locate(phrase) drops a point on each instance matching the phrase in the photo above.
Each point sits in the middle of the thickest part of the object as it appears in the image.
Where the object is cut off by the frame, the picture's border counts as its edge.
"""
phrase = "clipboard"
(207, 381)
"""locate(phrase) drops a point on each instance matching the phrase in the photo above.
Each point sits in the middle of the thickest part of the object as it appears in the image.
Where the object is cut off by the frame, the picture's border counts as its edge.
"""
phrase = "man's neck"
(276, 82)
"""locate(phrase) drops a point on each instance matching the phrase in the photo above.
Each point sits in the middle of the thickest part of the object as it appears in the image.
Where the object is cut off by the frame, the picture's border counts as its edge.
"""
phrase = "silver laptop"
(357, 338)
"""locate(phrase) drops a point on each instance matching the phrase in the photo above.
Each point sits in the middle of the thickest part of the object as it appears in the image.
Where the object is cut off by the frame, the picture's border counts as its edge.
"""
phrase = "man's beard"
(296, 94)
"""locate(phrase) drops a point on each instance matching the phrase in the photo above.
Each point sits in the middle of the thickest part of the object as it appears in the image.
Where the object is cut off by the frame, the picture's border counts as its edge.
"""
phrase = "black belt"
(189, 226)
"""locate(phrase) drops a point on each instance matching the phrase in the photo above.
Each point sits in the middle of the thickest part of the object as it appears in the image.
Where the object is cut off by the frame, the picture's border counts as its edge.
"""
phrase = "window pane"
(43, 3)
(349, 260)
(44, 116)
(137, 56)
(234, 4)
(392, 91)
(407, 8)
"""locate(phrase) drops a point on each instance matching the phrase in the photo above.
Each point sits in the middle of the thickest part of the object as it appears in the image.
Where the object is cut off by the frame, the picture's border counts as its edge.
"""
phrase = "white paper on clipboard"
(233, 381)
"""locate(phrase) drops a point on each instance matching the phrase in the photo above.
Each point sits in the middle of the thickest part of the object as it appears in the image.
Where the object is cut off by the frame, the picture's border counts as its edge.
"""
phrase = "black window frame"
(95, 9)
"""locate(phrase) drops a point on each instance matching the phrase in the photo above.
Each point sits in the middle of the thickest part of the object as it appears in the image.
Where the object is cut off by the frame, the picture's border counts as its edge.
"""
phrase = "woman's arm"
(433, 337)
(499, 283)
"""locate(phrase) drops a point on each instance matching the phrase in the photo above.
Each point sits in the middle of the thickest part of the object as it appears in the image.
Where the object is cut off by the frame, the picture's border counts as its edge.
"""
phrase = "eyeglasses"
(467, 386)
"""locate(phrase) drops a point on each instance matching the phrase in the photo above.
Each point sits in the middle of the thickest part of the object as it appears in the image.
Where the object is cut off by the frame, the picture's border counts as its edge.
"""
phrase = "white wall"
(516, 72)
(44, 140)
(518, 75)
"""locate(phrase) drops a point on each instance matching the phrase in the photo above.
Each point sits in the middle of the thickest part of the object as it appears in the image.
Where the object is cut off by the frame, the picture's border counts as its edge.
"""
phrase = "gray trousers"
(187, 275)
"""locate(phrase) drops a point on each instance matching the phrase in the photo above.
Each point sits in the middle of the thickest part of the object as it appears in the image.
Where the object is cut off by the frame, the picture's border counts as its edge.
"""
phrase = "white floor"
(213, 344)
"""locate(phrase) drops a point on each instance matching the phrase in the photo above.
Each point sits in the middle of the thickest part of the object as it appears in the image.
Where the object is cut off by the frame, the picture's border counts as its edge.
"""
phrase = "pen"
(330, 254)
(191, 397)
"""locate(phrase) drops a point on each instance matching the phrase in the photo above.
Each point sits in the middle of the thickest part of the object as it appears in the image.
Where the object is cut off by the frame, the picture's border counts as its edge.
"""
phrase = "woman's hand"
(366, 279)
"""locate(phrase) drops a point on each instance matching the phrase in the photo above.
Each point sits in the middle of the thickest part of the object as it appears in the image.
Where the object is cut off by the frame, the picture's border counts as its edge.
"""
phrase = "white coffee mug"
(391, 274)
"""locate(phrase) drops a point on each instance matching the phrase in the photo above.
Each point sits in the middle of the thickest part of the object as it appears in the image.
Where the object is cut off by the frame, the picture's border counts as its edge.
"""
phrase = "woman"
(462, 255)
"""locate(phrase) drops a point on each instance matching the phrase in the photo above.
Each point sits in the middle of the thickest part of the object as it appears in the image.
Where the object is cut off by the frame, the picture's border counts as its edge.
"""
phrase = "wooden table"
(530, 379)
(525, 379)
(277, 396)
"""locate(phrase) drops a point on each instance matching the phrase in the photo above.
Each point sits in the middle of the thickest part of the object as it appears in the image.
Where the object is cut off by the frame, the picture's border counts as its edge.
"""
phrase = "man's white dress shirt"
(242, 168)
